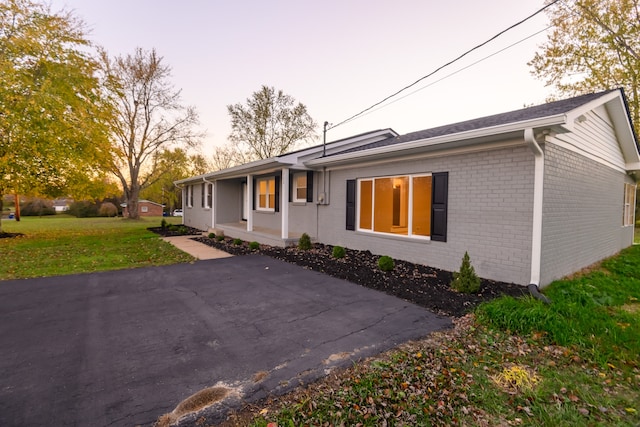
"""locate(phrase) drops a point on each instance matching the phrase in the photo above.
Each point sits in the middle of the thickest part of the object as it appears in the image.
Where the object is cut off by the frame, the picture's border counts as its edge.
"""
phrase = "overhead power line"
(453, 73)
(447, 64)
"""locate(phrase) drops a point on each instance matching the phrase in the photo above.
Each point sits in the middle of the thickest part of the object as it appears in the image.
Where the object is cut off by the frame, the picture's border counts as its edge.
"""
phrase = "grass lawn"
(62, 244)
(514, 362)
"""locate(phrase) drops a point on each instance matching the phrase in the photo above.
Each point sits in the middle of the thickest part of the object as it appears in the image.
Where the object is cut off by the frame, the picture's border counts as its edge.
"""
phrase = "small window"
(202, 198)
(629, 205)
(266, 194)
(190, 196)
(209, 196)
(300, 187)
(144, 209)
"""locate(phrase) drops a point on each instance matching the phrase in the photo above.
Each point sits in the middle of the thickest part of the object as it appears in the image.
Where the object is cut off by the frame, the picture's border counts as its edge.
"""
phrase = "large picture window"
(266, 194)
(629, 205)
(399, 205)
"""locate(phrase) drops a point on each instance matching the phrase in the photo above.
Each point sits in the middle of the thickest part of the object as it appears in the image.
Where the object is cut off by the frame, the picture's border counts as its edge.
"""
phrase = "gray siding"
(302, 218)
(582, 213)
(489, 213)
(228, 201)
(196, 216)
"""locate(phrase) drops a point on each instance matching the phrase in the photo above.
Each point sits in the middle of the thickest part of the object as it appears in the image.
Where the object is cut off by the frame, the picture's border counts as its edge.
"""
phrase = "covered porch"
(263, 235)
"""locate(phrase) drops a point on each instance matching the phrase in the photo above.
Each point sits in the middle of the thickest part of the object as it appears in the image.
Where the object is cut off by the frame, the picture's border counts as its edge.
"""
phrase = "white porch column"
(284, 200)
(249, 202)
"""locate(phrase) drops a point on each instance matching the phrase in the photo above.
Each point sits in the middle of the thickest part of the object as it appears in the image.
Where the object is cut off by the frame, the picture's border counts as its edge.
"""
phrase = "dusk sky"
(336, 57)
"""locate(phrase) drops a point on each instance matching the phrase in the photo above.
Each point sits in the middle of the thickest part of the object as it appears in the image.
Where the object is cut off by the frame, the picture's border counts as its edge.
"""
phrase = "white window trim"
(144, 209)
(409, 234)
(628, 209)
(189, 196)
(268, 208)
(208, 195)
(295, 188)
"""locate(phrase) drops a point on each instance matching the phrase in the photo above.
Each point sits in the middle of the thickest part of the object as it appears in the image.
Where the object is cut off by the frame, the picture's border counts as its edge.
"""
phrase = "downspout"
(536, 237)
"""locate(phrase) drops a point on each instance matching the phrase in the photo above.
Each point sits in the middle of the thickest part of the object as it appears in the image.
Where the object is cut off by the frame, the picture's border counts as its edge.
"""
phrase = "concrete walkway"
(195, 248)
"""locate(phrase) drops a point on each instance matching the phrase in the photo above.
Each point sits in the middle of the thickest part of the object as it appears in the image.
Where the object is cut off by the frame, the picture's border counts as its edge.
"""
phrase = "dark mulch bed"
(175, 230)
(425, 286)
(4, 235)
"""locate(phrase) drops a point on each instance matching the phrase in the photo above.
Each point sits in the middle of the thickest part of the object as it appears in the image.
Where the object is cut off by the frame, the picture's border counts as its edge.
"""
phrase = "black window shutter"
(277, 194)
(253, 196)
(309, 186)
(291, 179)
(439, 198)
(351, 204)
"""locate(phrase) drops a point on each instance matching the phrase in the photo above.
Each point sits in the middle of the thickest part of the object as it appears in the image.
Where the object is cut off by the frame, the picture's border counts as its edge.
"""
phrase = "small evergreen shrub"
(466, 280)
(237, 242)
(212, 235)
(305, 242)
(254, 246)
(338, 252)
(386, 263)
(220, 237)
(163, 223)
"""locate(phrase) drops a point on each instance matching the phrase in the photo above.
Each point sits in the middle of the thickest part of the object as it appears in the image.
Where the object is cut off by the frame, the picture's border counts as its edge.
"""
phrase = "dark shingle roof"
(530, 113)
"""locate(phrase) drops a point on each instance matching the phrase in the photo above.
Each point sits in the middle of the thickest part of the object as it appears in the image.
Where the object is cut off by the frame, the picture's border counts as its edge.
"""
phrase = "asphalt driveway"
(122, 348)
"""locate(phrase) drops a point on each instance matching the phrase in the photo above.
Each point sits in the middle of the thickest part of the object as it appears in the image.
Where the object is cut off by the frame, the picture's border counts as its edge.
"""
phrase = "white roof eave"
(483, 133)
(237, 171)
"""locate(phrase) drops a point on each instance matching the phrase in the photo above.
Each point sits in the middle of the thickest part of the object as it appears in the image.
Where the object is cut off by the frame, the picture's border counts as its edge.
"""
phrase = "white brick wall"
(489, 213)
(582, 213)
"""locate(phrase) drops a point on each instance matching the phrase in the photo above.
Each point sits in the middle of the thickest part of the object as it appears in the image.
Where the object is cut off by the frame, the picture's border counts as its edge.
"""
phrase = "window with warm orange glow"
(398, 205)
(266, 194)
(421, 209)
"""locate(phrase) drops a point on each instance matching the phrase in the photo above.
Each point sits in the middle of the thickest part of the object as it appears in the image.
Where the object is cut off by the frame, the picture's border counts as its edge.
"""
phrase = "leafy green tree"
(271, 123)
(149, 118)
(52, 135)
(172, 165)
(594, 45)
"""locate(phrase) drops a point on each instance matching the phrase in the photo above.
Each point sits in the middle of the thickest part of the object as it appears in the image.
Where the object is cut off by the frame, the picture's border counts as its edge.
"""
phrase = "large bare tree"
(150, 117)
(271, 123)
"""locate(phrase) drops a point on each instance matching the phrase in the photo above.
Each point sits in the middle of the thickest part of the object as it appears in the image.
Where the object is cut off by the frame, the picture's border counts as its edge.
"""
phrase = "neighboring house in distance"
(145, 208)
(532, 195)
(62, 205)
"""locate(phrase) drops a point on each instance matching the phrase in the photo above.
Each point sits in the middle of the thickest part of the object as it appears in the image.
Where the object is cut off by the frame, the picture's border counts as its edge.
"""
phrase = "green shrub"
(83, 209)
(212, 235)
(338, 252)
(386, 263)
(163, 223)
(220, 237)
(305, 242)
(466, 280)
(254, 246)
(237, 242)
(108, 209)
(37, 207)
